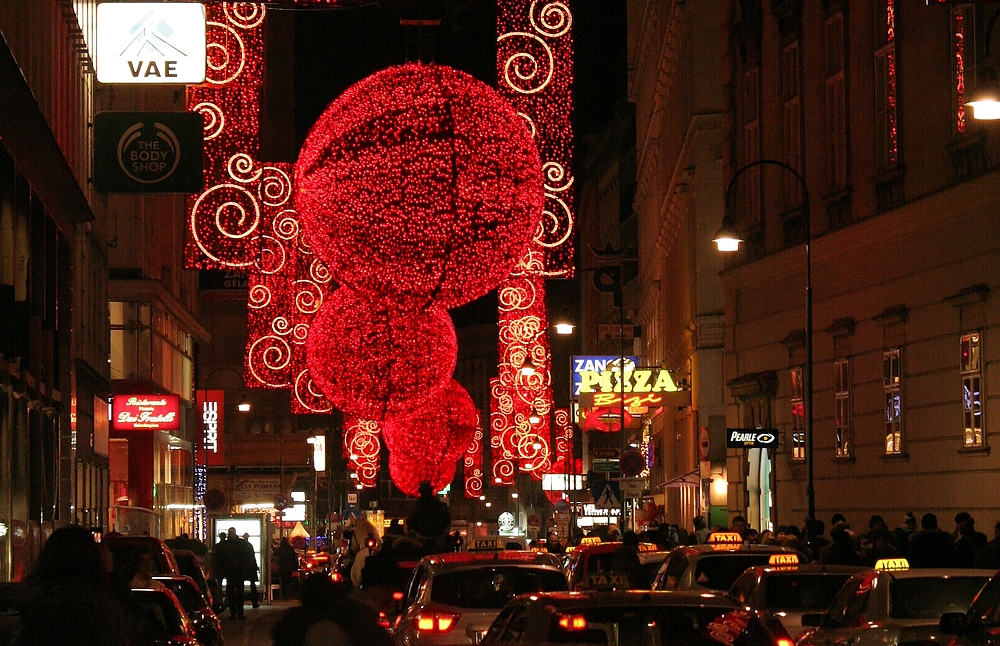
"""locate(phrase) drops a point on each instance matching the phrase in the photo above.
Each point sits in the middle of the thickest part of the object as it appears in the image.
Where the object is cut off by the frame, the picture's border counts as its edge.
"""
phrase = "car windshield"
(639, 626)
(492, 587)
(931, 597)
(156, 617)
(719, 571)
(802, 591)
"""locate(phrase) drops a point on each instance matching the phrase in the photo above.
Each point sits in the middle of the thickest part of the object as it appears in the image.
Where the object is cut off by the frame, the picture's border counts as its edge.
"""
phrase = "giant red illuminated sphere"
(420, 183)
(427, 442)
(370, 358)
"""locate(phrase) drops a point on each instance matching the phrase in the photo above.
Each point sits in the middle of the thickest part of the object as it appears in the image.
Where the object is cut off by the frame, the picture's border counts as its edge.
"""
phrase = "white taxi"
(893, 604)
(453, 598)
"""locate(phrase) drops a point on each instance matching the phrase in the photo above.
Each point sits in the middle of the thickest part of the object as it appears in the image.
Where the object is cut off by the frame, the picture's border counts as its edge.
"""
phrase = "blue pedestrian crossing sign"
(607, 494)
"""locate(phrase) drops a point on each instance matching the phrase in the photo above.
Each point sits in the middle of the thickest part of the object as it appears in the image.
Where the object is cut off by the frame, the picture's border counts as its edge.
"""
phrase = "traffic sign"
(280, 502)
(605, 454)
(632, 463)
(534, 520)
(633, 487)
(215, 500)
(610, 497)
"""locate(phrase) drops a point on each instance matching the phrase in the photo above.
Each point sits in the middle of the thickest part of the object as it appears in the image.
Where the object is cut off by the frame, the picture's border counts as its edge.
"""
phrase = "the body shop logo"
(151, 42)
(750, 438)
(149, 152)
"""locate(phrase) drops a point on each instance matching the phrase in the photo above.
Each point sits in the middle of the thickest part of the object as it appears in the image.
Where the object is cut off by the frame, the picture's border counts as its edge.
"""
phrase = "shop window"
(892, 387)
(798, 416)
(972, 396)
(842, 408)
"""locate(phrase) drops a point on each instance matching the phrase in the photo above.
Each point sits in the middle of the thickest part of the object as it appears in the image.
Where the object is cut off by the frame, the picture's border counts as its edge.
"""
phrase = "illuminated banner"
(146, 412)
(147, 42)
(638, 380)
(752, 438)
(595, 364)
(210, 413)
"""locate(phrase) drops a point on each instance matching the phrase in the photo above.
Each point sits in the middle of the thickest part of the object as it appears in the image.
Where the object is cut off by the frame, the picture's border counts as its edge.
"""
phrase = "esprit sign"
(147, 42)
(210, 412)
(751, 438)
(146, 412)
(639, 380)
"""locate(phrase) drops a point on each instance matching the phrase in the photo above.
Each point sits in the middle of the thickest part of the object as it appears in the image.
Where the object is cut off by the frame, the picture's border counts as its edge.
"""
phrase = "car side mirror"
(813, 619)
(952, 623)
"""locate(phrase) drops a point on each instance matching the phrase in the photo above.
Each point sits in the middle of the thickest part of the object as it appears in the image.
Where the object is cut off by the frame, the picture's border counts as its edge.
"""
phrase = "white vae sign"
(146, 42)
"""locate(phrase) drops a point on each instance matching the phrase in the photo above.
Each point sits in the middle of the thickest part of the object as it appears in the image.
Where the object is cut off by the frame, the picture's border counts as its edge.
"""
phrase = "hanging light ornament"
(420, 184)
(427, 442)
(370, 359)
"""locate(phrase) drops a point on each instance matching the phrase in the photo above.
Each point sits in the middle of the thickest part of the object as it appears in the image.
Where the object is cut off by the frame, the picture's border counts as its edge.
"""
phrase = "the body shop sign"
(209, 408)
(146, 412)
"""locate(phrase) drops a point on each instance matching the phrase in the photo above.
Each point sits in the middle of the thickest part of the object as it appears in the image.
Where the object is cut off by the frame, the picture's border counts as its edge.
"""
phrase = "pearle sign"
(147, 42)
(146, 412)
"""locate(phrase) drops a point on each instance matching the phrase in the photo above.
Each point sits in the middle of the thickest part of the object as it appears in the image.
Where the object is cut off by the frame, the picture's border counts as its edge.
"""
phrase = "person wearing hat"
(968, 540)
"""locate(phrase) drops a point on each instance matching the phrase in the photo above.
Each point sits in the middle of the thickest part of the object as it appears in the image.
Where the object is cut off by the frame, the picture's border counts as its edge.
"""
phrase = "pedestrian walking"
(231, 560)
(288, 562)
(252, 570)
(968, 540)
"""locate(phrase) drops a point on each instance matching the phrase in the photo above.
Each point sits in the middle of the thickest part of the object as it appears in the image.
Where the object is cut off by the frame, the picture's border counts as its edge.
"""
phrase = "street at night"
(370, 322)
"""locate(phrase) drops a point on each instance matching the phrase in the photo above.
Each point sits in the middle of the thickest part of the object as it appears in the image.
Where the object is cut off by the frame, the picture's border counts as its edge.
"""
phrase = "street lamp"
(985, 99)
(527, 367)
(727, 240)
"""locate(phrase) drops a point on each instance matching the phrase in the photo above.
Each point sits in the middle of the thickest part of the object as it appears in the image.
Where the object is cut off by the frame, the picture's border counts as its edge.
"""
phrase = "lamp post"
(727, 240)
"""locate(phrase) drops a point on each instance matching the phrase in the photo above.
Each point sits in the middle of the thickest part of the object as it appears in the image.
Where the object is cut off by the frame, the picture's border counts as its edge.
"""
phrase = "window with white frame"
(972, 396)
(842, 408)
(892, 385)
(798, 416)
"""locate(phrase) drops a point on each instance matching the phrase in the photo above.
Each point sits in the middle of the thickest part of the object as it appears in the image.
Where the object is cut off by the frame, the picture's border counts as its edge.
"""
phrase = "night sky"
(334, 49)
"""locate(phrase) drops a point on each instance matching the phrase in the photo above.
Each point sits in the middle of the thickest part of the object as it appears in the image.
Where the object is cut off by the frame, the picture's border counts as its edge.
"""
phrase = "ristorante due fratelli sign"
(146, 412)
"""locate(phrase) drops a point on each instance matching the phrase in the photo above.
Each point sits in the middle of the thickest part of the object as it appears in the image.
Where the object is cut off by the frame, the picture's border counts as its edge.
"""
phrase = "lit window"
(972, 396)
(886, 125)
(842, 408)
(892, 385)
(798, 416)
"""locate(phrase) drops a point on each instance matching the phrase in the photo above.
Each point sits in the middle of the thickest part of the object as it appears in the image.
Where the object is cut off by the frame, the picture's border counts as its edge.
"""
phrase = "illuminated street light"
(564, 328)
(527, 367)
(985, 100)
(727, 238)
(514, 495)
(535, 418)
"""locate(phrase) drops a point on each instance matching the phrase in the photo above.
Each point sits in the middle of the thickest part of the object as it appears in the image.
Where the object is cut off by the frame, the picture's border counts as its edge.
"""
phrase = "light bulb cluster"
(427, 442)
(372, 360)
(535, 73)
(420, 184)
(472, 463)
(362, 448)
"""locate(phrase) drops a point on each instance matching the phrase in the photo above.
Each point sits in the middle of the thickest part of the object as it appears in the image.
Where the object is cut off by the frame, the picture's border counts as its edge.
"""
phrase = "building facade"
(865, 103)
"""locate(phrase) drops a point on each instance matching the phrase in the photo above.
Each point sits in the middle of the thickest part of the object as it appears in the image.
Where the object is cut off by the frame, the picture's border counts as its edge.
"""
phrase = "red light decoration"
(427, 442)
(362, 449)
(473, 463)
(535, 73)
(370, 359)
(419, 183)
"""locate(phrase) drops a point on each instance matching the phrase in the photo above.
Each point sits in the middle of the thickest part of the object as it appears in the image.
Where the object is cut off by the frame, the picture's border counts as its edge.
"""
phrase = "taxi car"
(633, 617)
(454, 597)
(893, 604)
(588, 565)
(788, 589)
(714, 565)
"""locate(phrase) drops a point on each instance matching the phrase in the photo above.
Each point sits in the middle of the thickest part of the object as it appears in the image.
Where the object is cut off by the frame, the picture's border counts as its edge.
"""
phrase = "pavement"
(255, 630)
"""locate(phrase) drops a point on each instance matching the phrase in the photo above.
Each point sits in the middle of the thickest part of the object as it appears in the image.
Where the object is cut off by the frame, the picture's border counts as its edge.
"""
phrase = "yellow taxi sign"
(649, 547)
(486, 544)
(783, 559)
(606, 581)
(892, 564)
(590, 540)
(725, 538)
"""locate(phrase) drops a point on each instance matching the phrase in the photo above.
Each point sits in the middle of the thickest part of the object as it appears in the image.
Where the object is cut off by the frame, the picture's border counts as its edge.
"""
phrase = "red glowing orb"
(420, 183)
(370, 359)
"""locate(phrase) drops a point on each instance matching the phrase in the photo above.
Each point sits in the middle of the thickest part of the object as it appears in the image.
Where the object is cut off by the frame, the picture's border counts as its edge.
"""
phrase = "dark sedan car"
(160, 619)
(204, 621)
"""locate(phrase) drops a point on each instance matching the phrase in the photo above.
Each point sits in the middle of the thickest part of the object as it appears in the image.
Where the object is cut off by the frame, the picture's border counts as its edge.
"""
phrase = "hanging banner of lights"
(362, 448)
(472, 463)
(535, 73)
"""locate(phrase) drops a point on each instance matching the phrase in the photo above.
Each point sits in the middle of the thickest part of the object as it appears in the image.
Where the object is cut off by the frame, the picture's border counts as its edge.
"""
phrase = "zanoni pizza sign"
(146, 412)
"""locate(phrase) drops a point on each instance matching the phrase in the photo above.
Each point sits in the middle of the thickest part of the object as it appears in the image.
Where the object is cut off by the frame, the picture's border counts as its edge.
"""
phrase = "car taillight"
(383, 620)
(784, 641)
(335, 576)
(397, 596)
(572, 622)
(435, 622)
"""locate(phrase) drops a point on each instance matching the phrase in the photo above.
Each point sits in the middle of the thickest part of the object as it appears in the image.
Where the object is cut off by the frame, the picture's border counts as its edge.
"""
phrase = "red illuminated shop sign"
(146, 412)
(209, 407)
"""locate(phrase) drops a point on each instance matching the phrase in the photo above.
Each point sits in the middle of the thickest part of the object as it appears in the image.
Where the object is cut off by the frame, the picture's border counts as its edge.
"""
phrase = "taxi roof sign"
(892, 564)
(783, 559)
(609, 581)
(590, 540)
(725, 538)
(649, 547)
(486, 545)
